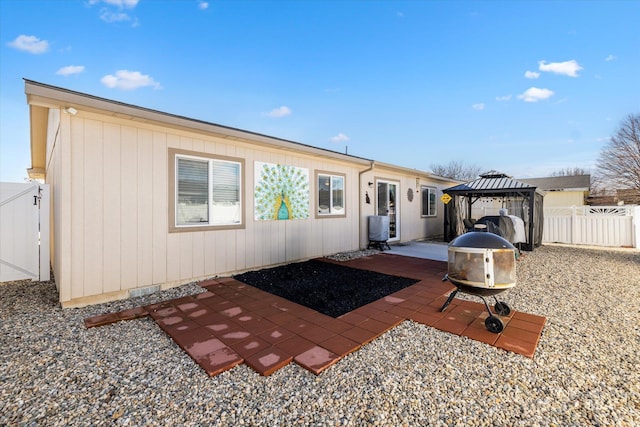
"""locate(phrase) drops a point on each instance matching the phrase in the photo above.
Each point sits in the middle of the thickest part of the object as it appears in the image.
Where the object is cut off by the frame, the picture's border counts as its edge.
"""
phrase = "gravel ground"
(53, 371)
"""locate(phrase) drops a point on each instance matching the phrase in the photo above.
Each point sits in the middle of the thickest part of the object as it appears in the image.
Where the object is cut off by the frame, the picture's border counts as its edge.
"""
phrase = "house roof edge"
(53, 96)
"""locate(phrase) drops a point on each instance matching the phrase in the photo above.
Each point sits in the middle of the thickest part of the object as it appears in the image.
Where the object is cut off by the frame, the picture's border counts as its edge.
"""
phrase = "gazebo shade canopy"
(491, 184)
(496, 185)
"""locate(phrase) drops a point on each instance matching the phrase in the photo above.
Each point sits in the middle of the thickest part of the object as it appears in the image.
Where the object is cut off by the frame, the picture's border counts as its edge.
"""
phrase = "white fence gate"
(613, 226)
(24, 231)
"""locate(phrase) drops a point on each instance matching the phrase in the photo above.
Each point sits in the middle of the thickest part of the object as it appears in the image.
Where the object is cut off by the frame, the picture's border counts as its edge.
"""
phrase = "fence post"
(574, 225)
(636, 227)
(44, 248)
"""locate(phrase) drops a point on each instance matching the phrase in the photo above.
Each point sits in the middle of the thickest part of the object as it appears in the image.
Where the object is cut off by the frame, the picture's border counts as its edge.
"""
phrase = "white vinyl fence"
(613, 226)
(24, 231)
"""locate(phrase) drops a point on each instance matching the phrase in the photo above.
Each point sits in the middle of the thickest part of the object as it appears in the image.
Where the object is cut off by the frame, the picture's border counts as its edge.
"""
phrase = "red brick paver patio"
(233, 322)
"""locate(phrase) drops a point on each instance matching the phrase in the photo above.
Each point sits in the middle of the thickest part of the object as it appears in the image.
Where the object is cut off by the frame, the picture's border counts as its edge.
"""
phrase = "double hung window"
(206, 191)
(428, 201)
(330, 194)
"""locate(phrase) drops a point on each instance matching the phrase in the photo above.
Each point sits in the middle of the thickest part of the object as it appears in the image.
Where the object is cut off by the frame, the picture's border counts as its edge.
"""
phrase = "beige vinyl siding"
(412, 225)
(57, 177)
(63, 211)
(91, 217)
(159, 208)
(110, 191)
(108, 171)
(128, 213)
(146, 190)
(563, 198)
(76, 199)
(111, 233)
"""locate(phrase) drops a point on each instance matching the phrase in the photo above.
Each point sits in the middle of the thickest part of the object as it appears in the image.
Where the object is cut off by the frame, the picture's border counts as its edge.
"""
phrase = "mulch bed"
(325, 287)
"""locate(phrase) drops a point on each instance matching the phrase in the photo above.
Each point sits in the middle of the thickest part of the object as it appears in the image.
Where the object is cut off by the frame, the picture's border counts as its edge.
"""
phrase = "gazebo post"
(446, 222)
(532, 207)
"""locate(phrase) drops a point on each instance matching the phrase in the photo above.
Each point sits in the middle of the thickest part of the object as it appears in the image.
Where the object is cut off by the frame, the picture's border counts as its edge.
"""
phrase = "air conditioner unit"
(378, 228)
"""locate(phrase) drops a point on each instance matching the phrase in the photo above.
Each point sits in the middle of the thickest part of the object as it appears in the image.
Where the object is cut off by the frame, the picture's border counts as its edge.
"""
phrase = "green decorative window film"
(330, 194)
(428, 201)
(281, 192)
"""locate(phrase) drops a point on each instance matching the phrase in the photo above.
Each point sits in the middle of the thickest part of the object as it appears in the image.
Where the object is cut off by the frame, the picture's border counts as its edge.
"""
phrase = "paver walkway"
(232, 322)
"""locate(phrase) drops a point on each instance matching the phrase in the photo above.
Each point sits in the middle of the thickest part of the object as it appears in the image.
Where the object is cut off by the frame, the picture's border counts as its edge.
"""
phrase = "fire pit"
(482, 264)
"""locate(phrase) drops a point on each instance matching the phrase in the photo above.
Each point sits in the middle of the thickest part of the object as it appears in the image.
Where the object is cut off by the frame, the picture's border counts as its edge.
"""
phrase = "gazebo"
(519, 199)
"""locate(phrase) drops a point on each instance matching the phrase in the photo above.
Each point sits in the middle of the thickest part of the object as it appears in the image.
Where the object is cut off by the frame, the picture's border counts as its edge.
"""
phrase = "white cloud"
(30, 44)
(70, 70)
(610, 58)
(202, 5)
(110, 17)
(122, 4)
(280, 112)
(129, 80)
(400, 14)
(531, 74)
(503, 98)
(478, 107)
(567, 68)
(534, 94)
(341, 137)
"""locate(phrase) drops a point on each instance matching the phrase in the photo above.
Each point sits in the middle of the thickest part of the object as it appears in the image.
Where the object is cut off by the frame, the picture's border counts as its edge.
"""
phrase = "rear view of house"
(143, 200)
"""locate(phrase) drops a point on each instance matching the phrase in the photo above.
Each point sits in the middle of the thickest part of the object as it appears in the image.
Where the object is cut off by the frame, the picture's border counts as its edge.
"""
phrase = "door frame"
(396, 206)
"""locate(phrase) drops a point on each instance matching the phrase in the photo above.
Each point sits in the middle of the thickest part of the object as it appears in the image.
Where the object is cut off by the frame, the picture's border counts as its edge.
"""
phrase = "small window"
(428, 201)
(206, 191)
(331, 199)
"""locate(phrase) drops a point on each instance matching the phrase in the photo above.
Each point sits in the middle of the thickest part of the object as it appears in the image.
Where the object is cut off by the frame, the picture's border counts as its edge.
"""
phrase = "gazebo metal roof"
(491, 184)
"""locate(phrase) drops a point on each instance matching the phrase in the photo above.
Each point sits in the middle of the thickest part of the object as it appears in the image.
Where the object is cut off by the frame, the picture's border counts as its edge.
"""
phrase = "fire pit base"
(482, 264)
(493, 323)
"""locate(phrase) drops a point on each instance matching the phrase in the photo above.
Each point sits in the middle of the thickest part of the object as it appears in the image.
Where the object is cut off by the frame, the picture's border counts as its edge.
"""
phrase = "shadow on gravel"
(328, 288)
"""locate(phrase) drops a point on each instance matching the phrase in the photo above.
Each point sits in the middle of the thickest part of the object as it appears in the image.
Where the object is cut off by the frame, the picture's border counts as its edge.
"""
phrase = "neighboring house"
(143, 200)
(562, 191)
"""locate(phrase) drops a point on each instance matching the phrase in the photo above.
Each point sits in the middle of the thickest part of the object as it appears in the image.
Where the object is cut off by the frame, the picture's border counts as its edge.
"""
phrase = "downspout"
(369, 169)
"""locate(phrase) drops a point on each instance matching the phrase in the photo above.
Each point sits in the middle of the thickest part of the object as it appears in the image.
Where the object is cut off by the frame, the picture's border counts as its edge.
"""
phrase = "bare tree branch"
(619, 160)
(575, 171)
(457, 170)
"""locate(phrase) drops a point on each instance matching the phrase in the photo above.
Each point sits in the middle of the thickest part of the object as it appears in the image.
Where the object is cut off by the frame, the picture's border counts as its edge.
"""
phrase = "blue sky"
(523, 87)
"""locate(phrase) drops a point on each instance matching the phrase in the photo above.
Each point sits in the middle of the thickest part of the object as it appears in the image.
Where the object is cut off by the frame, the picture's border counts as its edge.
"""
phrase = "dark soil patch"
(325, 287)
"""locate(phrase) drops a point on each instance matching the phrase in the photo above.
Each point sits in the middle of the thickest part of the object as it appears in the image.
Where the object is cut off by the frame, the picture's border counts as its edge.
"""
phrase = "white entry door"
(24, 231)
(387, 205)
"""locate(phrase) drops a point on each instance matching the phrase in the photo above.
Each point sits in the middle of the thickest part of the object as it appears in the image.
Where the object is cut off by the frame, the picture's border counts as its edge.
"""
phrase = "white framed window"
(206, 191)
(428, 201)
(330, 194)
